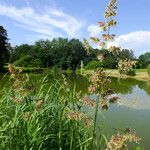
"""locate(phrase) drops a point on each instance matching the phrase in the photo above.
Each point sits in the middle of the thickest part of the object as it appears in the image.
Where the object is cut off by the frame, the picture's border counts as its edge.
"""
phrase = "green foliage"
(32, 70)
(126, 54)
(69, 71)
(19, 51)
(131, 72)
(59, 52)
(4, 51)
(144, 60)
(23, 61)
(93, 65)
(110, 60)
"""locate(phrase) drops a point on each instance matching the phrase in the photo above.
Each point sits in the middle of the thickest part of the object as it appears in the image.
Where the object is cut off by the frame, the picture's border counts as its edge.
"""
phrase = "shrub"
(131, 72)
(33, 70)
(69, 71)
(93, 65)
(23, 61)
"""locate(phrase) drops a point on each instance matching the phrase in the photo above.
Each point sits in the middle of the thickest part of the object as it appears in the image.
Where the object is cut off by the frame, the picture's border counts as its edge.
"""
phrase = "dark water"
(131, 111)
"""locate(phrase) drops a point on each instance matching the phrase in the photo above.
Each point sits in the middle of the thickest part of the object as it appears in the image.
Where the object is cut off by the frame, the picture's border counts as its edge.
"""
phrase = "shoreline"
(141, 75)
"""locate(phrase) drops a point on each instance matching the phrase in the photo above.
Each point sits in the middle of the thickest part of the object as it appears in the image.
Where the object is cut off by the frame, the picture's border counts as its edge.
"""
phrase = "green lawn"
(141, 74)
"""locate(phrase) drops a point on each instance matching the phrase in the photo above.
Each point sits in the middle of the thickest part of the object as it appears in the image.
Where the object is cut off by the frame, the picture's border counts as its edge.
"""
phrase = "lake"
(131, 111)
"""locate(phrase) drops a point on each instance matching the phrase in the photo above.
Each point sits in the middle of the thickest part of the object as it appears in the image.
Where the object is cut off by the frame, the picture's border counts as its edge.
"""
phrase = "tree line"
(61, 53)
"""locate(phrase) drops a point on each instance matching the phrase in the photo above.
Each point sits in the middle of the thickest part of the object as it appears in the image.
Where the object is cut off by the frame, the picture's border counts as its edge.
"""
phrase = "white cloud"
(51, 23)
(94, 30)
(138, 41)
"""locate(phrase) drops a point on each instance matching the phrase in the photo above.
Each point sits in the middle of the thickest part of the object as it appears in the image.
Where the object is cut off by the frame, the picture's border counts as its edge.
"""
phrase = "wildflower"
(114, 49)
(112, 98)
(17, 100)
(75, 115)
(108, 37)
(111, 23)
(88, 102)
(87, 45)
(78, 95)
(101, 24)
(100, 57)
(88, 121)
(92, 89)
(27, 115)
(94, 39)
(125, 66)
(103, 44)
(99, 81)
(118, 141)
(104, 104)
(111, 9)
(66, 84)
(38, 105)
(109, 92)
(12, 69)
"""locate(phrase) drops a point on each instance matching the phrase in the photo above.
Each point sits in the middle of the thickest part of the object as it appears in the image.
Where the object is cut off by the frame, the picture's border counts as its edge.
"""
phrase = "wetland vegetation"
(62, 94)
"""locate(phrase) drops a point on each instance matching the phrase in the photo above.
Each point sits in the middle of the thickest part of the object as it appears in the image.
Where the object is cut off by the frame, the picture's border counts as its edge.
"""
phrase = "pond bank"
(141, 74)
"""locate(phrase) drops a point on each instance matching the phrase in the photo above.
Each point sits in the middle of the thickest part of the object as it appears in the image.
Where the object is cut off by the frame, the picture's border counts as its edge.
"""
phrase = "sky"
(27, 21)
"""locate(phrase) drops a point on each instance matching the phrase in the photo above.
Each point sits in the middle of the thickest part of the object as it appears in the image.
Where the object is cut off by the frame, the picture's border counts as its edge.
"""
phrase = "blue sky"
(29, 20)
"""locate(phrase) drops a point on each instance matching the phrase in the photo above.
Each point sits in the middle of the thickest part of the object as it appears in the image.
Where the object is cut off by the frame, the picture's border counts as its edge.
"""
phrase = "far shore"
(141, 74)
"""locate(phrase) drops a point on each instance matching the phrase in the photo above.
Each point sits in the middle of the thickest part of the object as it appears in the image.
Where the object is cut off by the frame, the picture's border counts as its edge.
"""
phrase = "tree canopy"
(144, 60)
(60, 52)
(4, 52)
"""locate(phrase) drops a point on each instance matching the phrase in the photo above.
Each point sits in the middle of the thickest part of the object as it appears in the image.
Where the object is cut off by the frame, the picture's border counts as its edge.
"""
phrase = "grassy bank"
(141, 74)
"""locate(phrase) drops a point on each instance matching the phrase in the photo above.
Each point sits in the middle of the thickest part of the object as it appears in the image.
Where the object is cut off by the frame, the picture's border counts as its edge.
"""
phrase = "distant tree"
(144, 60)
(19, 51)
(126, 54)
(4, 52)
(77, 53)
(110, 60)
(59, 52)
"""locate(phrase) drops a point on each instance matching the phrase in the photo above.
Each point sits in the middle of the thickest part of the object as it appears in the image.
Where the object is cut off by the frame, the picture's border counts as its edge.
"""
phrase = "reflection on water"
(133, 94)
(126, 86)
(148, 86)
(137, 99)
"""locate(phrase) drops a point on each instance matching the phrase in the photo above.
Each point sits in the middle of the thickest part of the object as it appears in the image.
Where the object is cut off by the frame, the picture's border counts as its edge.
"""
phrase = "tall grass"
(41, 120)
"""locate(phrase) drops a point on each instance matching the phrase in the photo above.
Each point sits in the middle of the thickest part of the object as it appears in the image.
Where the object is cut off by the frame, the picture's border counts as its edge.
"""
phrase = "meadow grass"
(141, 74)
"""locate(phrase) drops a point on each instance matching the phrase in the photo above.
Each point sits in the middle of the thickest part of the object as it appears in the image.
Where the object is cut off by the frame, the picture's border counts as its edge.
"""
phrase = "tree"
(126, 54)
(4, 52)
(59, 52)
(144, 60)
(109, 60)
(19, 51)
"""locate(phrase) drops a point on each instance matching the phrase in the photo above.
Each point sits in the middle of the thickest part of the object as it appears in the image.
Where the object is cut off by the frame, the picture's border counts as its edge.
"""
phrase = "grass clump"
(93, 65)
(45, 118)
